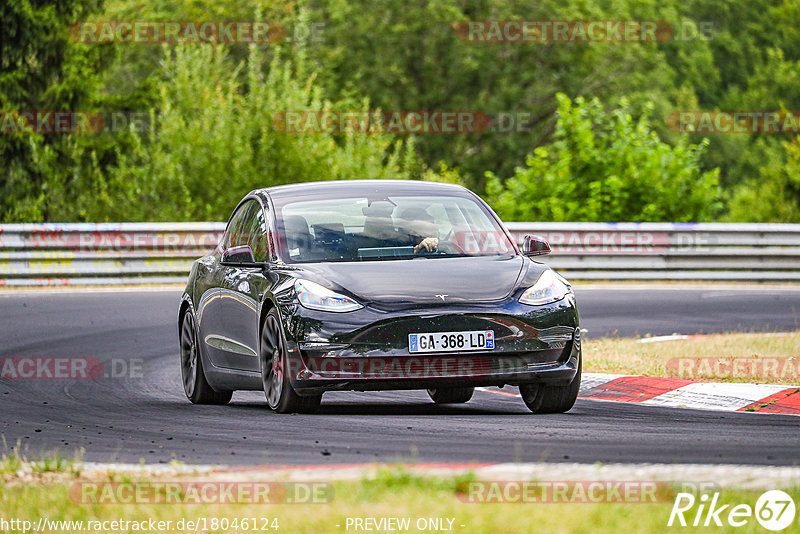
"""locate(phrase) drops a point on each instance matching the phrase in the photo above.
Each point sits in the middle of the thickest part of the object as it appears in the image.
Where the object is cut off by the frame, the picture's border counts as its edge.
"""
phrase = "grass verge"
(735, 357)
(14, 462)
(392, 493)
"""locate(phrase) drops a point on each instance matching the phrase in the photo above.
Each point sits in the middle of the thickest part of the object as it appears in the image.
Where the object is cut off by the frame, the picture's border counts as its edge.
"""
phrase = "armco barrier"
(670, 251)
(103, 253)
(158, 253)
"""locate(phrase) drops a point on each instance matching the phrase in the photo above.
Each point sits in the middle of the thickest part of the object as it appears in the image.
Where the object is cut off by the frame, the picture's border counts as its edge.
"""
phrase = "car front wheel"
(451, 395)
(541, 398)
(280, 394)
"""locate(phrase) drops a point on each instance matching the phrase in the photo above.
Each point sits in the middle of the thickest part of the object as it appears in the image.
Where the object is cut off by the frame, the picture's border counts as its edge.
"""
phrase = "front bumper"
(329, 352)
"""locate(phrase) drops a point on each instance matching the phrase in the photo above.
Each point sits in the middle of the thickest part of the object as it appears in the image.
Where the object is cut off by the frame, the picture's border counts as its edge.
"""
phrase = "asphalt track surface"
(127, 419)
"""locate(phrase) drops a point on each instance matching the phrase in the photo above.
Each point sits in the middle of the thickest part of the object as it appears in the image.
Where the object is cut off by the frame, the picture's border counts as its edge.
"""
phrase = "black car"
(375, 285)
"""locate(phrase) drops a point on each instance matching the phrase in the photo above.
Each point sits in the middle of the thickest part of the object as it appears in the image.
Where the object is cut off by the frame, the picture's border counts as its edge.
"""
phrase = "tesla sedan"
(376, 285)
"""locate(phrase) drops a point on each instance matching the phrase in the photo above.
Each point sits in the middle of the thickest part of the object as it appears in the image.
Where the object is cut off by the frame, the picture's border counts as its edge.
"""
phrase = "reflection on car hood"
(423, 280)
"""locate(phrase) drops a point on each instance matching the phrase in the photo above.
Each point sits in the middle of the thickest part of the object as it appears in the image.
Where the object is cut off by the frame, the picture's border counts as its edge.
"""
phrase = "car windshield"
(361, 228)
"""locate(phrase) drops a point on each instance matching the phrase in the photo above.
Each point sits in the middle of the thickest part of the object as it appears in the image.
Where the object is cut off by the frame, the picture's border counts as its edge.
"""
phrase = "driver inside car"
(422, 230)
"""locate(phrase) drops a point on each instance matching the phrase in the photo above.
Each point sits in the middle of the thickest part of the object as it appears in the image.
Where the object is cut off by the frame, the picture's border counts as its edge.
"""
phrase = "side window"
(237, 232)
(258, 233)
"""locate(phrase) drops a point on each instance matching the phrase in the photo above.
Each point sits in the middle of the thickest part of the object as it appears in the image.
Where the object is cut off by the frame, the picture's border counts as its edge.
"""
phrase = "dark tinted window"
(248, 227)
(257, 232)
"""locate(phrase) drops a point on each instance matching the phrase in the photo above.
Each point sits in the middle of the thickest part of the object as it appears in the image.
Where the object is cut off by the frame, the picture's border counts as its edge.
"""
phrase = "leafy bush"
(41, 70)
(212, 140)
(606, 166)
(775, 195)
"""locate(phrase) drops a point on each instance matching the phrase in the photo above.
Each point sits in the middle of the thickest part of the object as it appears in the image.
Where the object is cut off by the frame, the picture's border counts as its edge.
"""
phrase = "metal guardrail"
(158, 253)
(671, 251)
(102, 253)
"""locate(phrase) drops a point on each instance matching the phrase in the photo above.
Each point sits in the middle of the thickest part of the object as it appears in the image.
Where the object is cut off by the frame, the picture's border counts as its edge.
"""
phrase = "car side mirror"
(533, 245)
(241, 256)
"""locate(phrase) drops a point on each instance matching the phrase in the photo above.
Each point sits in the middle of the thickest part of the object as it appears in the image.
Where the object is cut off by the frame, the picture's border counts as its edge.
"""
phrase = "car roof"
(360, 187)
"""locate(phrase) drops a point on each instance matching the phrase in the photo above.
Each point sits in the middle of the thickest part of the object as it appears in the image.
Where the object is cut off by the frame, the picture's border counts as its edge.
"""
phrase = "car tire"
(451, 395)
(195, 385)
(551, 399)
(280, 394)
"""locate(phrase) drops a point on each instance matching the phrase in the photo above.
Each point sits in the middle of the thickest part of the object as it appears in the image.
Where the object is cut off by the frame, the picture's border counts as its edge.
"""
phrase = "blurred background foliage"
(593, 146)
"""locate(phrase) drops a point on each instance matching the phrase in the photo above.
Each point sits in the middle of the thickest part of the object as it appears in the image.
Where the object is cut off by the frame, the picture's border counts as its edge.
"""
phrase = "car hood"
(421, 280)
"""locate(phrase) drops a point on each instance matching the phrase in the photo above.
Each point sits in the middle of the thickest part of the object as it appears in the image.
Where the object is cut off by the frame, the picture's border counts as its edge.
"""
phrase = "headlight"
(550, 287)
(316, 297)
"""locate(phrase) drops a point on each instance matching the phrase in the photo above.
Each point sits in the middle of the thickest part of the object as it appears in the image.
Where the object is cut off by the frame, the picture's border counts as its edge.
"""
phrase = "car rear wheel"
(280, 394)
(195, 384)
(451, 395)
(551, 399)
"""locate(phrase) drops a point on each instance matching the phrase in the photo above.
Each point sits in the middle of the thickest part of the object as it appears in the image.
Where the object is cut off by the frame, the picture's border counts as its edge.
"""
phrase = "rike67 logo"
(774, 510)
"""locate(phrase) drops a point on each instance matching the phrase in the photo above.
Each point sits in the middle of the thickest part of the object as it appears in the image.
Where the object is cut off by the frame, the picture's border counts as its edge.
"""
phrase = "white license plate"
(451, 341)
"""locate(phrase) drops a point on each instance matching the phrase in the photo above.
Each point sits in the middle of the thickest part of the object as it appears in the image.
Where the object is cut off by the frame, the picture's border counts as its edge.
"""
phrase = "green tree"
(212, 140)
(408, 56)
(382, 54)
(775, 195)
(607, 166)
(40, 70)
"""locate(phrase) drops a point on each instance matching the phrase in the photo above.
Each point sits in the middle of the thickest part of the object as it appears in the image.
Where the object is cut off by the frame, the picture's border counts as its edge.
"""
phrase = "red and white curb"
(677, 392)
